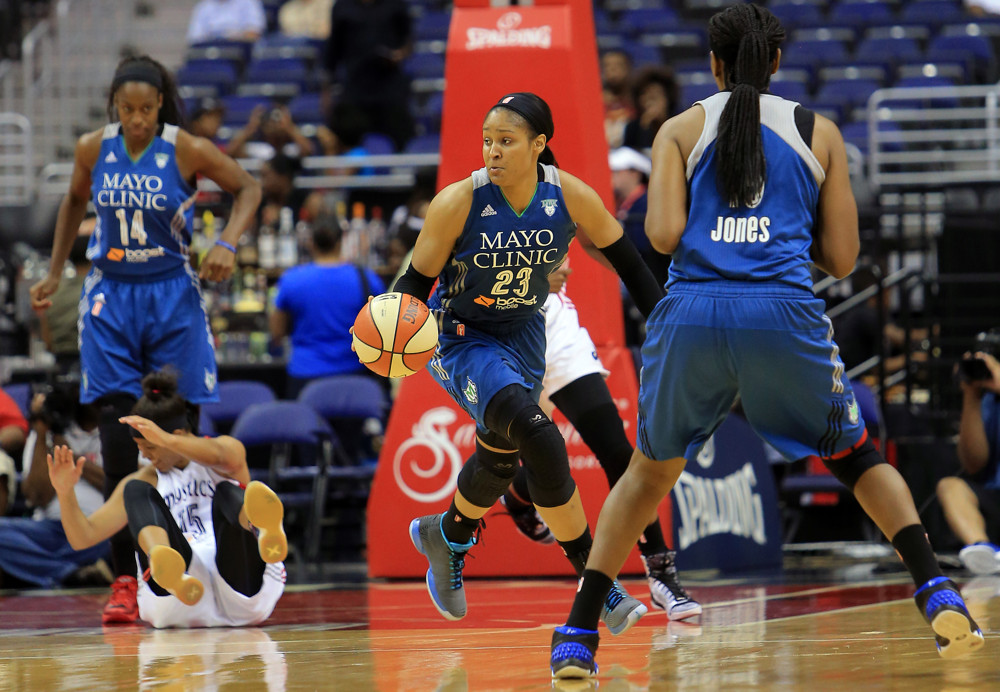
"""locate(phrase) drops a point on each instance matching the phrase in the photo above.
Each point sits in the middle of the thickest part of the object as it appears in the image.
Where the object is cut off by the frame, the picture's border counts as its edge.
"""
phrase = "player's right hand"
(63, 471)
(41, 292)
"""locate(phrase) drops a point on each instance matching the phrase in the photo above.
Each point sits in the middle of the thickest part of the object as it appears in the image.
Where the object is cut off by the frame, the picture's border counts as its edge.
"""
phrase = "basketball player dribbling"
(142, 307)
(493, 238)
(748, 190)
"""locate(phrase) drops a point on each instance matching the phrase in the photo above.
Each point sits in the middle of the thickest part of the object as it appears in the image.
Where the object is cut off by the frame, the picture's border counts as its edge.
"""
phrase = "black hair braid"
(746, 39)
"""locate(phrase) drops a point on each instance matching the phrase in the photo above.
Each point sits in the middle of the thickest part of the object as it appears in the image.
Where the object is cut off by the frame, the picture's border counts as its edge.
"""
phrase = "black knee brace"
(487, 474)
(543, 450)
(849, 468)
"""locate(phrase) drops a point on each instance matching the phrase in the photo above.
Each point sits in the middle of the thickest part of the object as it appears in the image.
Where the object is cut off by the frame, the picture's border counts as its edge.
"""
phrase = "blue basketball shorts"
(770, 345)
(474, 366)
(129, 329)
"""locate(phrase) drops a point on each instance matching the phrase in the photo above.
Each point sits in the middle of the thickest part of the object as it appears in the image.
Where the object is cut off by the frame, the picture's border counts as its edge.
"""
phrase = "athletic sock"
(578, 550)
(457, 527)
(651, 542)
(590, 596)
(916, 553)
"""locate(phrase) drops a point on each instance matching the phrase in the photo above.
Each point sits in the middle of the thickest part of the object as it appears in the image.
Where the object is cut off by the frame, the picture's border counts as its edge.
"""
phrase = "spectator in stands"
(983, 8)
(629, 176)
(206, 119)
(277, 184)
(858, 334)
(369, 39)
(971, 504)
(407, 219)
(235, 20)
(616, 81)
(267, 132)
(307, 18)
(35, 550)
(344, 137)
(13, 426)
(318, 329)
(59, 323)
(656, 96)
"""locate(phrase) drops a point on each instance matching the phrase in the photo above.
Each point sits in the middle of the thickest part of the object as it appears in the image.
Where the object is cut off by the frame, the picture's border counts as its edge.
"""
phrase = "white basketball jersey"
(188, 493)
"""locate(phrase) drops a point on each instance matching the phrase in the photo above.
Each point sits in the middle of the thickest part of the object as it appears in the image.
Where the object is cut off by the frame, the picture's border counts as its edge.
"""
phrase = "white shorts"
(569, 351)
(220, 606)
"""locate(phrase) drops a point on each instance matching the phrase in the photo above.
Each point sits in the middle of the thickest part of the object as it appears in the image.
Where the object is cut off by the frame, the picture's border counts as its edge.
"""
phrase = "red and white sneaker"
(122, 607)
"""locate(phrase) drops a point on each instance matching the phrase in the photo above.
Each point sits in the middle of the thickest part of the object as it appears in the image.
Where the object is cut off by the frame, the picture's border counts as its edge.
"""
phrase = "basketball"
(395, 335)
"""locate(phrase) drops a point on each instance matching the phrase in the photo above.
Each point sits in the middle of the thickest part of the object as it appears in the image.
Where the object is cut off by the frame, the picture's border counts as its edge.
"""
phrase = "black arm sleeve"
(415, 284)
(638, 279)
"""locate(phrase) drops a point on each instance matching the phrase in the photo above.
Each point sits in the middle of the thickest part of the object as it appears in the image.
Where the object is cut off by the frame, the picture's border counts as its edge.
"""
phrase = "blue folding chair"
(234, 397)
(355, 405)
(293, 431)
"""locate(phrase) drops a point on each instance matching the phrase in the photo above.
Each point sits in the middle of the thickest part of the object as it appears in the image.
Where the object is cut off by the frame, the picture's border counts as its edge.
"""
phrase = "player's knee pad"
(487, 474)
(118, 451)
(851, 466)
(544, 453)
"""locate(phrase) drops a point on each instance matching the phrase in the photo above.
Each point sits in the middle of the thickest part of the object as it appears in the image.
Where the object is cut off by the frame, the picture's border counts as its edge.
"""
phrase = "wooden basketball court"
(793, 635)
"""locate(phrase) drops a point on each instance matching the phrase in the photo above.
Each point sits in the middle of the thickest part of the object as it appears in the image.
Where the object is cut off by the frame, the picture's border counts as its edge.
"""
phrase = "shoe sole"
(572, 672)
(980, 559)
(265, 511)
(693, 611)
(166, 566)
(429, 577)
(633, 617)
(955, 627)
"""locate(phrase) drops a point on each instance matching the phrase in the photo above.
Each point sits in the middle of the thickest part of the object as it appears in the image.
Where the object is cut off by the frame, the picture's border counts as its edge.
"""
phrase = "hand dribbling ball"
(395, 335)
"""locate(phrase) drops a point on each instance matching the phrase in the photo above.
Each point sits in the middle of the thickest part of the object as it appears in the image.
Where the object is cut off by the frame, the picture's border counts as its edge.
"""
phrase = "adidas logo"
(489, 211)
(111, 158)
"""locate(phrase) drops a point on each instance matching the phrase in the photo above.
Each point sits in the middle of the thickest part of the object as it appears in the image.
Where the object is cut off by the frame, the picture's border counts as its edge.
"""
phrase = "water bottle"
(288, 247)
(267, 250)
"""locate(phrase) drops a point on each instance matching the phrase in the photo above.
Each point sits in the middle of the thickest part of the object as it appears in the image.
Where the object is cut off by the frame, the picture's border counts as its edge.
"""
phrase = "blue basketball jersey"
(497, 278)
(144, 208)
(769, 242)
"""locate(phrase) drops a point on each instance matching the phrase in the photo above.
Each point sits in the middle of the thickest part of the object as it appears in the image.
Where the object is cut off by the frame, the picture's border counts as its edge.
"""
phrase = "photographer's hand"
(993, 364)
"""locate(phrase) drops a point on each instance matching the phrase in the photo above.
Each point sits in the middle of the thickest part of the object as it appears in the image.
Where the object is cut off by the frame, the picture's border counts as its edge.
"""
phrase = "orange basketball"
(395, 335)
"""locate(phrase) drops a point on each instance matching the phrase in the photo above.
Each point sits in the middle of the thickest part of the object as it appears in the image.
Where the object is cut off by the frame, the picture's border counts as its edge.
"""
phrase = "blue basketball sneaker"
(446, 560)
(573, 652)
(942, 606)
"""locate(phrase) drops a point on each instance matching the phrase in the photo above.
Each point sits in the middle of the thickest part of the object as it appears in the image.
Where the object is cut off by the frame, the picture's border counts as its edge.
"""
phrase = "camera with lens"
(975, 369)
(60, 406)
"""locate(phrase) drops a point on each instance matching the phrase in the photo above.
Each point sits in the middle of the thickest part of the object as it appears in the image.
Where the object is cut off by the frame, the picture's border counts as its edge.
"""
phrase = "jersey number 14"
(134, 230)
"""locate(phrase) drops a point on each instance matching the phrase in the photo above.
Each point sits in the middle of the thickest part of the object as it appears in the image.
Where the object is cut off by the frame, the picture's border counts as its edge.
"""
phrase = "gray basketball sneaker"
(446, 560)
(620, 610)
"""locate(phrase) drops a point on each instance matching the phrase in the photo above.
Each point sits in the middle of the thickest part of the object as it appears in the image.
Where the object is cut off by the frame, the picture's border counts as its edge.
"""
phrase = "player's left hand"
(218, 264)
(150, 430)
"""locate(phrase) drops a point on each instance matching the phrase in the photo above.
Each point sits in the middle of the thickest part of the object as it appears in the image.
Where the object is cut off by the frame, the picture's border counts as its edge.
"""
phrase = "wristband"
(226, 245)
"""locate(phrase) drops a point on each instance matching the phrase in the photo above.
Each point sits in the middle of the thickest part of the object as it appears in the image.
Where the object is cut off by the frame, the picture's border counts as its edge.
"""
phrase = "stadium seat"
(848, 93)
(425, 66)
(931, 13)
(691, 93)
(432, 26)
(218, 74)
(280, 70)
(376, 143)
(793, 91)
(424, 144)
(813, 54)
(307, 108)
(647, 20)
(239, 108)
(890, 51)
(643, 55)
(860, 14)
(796, 15)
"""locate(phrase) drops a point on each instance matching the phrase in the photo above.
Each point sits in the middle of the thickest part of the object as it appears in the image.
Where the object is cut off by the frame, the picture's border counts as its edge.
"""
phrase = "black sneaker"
(528, 522)
(665, 590)
(940, 603)
(573, 652)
